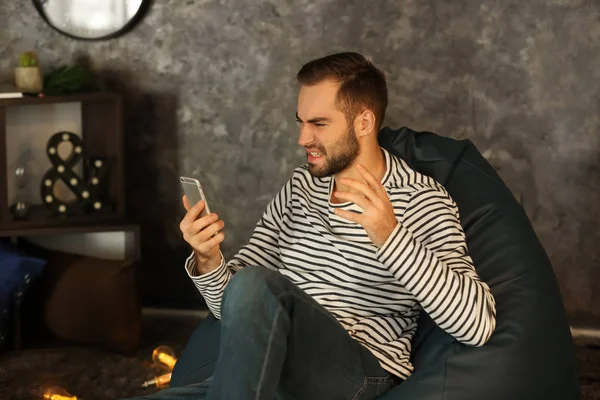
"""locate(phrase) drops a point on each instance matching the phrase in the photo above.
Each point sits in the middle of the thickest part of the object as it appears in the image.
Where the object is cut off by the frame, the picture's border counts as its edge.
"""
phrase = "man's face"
(330, 142)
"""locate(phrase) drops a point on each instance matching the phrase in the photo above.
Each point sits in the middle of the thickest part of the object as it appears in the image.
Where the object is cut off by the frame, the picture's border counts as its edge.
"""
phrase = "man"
(323, 301)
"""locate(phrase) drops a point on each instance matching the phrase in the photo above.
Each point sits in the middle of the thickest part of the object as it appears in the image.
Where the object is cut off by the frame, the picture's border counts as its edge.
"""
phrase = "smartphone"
(193, 190)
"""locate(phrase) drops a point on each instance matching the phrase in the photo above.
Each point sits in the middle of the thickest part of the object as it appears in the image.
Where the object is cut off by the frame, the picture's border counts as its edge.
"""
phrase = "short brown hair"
(362, 85)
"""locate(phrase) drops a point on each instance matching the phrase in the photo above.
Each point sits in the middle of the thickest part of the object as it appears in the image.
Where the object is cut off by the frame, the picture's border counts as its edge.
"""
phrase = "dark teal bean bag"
(531, 354)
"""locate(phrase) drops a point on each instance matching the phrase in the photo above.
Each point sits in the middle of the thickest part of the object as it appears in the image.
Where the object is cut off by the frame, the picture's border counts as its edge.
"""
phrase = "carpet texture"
(95, 374)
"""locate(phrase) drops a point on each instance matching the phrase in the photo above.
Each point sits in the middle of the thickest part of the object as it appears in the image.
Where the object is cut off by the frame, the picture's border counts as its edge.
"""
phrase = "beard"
(343, 154)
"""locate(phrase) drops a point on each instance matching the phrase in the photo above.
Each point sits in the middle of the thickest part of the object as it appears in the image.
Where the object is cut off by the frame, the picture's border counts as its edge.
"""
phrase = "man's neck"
(372, 159)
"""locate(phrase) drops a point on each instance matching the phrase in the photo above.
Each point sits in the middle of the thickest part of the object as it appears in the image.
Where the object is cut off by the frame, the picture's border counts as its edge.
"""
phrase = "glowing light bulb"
(58, 393)
(158, 381)
(164, 355)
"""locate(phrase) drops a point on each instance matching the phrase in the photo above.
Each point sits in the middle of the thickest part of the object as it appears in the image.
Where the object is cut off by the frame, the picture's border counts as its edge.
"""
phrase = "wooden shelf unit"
(102, 134)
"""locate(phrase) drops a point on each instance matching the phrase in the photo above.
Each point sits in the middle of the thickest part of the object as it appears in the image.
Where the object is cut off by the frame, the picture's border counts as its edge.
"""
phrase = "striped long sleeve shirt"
(375, 293)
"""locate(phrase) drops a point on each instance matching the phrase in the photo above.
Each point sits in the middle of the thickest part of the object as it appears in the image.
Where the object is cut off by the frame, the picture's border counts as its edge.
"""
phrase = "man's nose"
(306, 137)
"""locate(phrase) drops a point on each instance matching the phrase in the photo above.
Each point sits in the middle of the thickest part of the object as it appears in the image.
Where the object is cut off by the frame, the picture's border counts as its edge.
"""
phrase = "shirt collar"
(392, 169)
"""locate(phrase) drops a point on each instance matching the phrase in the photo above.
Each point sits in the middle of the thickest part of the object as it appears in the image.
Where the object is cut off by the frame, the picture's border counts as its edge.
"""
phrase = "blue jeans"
(277, 342)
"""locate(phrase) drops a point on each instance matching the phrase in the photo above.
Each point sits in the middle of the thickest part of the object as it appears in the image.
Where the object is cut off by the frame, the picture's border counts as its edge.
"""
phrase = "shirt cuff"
(190, 268)
(390, 240)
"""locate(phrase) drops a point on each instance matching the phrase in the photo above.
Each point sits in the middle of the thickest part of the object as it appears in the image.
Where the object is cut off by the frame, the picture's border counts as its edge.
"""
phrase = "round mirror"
(91, 19)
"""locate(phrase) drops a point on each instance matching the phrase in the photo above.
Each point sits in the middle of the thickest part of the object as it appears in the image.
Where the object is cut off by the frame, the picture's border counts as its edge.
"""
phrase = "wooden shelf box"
(26, 124)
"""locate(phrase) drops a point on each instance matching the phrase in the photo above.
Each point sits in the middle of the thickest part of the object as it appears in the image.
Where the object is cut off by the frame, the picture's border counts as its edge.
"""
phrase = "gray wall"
(210, 92)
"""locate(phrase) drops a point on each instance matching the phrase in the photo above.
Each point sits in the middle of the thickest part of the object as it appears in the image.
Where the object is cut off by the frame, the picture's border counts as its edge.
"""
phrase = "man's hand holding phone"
(203, 234)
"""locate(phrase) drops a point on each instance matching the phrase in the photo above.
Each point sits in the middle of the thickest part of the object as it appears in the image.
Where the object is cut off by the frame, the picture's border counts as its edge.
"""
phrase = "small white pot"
(29, 79)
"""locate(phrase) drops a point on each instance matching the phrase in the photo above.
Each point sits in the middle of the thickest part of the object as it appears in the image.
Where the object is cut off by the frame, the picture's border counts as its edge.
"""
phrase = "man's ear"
(364, 123)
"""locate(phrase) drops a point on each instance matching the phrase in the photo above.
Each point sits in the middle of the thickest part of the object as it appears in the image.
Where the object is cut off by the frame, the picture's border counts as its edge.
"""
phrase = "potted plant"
(28, 76)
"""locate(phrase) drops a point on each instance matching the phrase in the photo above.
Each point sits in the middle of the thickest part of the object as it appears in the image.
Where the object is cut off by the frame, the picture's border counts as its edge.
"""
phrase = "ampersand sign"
(88, 191)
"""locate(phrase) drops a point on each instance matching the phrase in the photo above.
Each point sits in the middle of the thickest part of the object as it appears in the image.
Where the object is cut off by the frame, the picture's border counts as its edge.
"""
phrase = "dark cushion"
(86, 300)
(531, 354)
(94, 301)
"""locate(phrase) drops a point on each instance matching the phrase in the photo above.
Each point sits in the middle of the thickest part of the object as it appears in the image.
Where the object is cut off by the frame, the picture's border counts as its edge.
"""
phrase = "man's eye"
(318, 124)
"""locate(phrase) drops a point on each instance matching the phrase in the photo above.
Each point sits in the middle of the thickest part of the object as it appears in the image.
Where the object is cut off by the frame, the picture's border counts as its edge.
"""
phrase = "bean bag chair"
(530, 355)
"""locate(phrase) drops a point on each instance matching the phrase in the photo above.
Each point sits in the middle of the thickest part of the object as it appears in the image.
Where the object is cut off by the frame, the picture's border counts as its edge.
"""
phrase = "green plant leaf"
(67, 80)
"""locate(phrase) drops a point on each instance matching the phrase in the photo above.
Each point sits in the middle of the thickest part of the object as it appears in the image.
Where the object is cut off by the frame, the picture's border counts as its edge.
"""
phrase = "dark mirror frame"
(38, 4)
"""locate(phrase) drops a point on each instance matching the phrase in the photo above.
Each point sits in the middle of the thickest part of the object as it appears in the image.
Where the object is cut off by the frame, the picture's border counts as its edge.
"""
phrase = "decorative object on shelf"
(64, 80)
(91, 19)
(21, 208)
(28, 76)
(10, 91)
(90, 190)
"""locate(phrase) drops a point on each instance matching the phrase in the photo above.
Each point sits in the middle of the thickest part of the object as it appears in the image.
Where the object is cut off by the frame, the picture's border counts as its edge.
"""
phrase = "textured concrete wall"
(210, 92)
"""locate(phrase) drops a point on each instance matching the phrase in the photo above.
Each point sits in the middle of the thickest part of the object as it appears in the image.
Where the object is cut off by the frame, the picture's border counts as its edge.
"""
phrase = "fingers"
(205, 228)
(194, 227)
(205, 247)
(192, 213)
(361, 187)
(349, 215)
(356, 198)
(203, 234)
(370, 179)
(372, 189)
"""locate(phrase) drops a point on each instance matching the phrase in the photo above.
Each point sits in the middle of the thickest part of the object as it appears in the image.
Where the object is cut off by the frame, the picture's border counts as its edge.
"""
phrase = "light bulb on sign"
(58, 393)
(164, 355)
(159, 381)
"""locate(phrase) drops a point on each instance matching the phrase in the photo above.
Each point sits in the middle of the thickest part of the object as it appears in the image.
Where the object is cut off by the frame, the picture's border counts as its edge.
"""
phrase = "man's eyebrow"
(315, 120)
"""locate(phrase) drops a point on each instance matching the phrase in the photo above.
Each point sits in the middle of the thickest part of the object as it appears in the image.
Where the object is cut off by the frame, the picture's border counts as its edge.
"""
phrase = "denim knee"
(246, 289)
